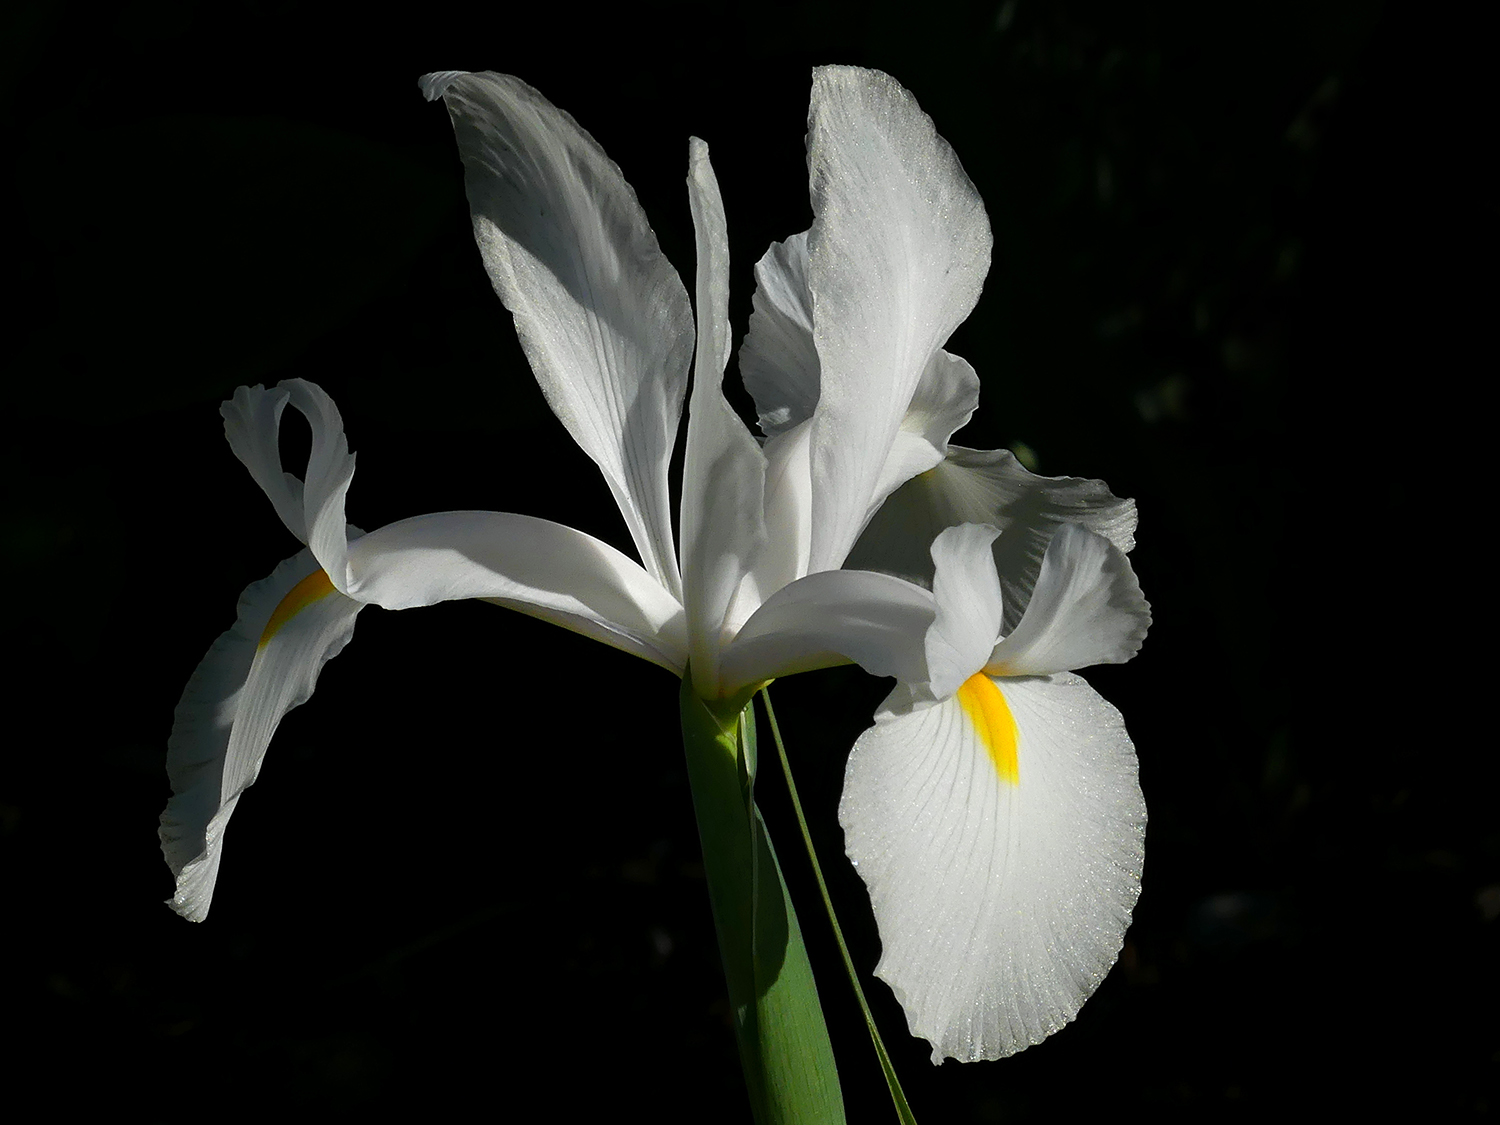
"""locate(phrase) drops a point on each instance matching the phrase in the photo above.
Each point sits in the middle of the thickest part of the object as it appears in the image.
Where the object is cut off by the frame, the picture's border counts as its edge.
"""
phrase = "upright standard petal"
(1003, 856)
(897, 254)
(724, 474)
(288, 626)
(973, 486)
(600, 312)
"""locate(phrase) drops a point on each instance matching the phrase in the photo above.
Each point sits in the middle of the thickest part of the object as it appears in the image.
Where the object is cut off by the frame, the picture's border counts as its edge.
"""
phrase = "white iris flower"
(1001, 898)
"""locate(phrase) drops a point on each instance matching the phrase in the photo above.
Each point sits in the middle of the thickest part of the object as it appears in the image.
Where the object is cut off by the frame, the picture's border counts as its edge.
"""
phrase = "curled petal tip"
(435, 84)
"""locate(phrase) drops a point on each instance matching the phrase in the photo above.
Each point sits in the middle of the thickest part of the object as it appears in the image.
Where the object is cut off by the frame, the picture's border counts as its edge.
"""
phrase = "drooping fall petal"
(288, 626)
(1002, 875)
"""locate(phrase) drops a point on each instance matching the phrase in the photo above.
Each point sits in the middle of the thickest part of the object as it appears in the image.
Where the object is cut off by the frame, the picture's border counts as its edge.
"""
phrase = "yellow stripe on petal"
(990, 714)
(314, 587)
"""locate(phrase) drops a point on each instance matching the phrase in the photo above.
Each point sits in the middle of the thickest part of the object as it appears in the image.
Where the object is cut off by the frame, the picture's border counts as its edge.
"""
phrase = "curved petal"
(833, 617)
(967, 594)
(1001, 903)
(991, 487)
(897, 253)
(313, 512)
(778, 360)
(535, 566)
(724, 473)
(288, 626)
(1087, 609)
(601, 313)
(944, 401)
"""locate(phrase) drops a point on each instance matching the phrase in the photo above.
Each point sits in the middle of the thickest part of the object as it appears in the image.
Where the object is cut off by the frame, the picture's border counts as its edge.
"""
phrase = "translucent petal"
(540, 568)
(778, 359)
(724, 474)
(1087, 609)
(288, 626)
(897, 253)
(1001, 905)
(991, 487)
(601, 313)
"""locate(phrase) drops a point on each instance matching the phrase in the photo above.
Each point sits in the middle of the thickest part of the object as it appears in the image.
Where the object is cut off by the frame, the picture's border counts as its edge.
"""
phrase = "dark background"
(1228, 278)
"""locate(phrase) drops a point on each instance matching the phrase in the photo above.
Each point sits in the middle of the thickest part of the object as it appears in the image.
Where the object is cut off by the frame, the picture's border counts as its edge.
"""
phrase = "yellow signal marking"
(987, 710)
(315, 586)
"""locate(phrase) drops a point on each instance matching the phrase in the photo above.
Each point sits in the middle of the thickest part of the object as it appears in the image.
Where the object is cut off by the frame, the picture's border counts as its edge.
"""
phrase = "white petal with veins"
(1001, 905)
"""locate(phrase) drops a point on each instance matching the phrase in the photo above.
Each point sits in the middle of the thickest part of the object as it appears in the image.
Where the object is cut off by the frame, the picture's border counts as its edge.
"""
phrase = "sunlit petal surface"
(724, 475)
(897, 253)
(600, 312)
(1002, 901)
(833, 617)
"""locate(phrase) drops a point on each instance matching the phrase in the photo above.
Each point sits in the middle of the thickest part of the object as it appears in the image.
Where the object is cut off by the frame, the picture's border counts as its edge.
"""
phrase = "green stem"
(903, 1111)
(778, 1021)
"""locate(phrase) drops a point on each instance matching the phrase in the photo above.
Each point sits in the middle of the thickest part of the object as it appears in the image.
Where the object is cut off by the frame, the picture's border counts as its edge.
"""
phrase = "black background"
(1228, 278)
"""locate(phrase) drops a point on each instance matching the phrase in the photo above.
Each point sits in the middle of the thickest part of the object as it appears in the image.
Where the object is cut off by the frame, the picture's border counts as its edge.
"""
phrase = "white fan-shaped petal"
(897, 253)
(540, 568)
(288, 626)
(967, 594)
(724, 473)
(601, 313)
(778, 359)
(1087, 609)
(1001, 905)
(973, 486)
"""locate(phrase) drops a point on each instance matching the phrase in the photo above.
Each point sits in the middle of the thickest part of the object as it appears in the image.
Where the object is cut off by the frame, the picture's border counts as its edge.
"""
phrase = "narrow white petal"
(288, 626)
(724, 474)
(778, 359)
(1001, 903)
(833, 617)
(330, 468)
(535, 566)
(1087, 609)
(967, 594)
(601, 313)
(991, 487)
(314, 511)
(897, 253)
